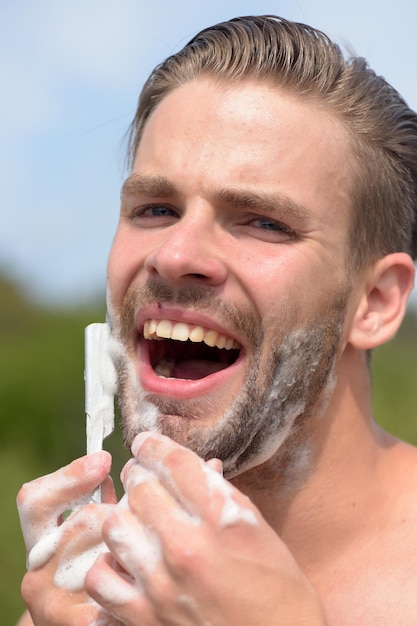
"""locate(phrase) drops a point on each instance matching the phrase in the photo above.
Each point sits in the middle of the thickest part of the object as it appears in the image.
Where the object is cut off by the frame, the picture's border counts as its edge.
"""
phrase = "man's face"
(227, 277)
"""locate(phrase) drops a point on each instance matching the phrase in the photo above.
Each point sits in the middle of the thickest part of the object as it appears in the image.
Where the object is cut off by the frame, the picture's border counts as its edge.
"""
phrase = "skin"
(235, 250)
(187, 547)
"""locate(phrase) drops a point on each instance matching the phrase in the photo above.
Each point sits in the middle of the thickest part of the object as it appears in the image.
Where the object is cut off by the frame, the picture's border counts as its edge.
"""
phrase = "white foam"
(232, 512)
(138, 413)
(136, 547)
(40, 490)
(44, 538)
(71, 571)
(44, 549)
(119, 591)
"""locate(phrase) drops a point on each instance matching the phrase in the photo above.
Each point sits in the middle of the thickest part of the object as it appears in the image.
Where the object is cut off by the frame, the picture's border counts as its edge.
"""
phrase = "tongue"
(193, 369)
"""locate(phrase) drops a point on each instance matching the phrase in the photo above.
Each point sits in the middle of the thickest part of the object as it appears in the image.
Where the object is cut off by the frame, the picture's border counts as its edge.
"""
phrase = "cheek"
(274, 284)
(288, 286)
(123, 265)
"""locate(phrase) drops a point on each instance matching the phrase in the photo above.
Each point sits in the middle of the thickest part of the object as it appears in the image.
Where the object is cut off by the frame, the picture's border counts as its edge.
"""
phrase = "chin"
(211, 381)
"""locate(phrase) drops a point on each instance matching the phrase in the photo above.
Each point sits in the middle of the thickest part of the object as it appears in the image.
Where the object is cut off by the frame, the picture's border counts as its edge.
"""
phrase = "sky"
(71, 72)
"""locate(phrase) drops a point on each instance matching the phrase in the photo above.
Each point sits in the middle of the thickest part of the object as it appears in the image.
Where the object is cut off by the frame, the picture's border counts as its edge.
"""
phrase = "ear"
(382, 305)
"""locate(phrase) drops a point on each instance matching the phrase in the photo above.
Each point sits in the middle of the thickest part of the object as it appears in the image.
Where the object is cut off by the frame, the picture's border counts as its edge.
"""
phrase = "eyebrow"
(272, 203)
(153, 186)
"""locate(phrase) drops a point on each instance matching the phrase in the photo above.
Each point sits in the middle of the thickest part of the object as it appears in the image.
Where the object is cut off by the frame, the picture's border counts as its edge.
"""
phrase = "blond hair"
(305, 62)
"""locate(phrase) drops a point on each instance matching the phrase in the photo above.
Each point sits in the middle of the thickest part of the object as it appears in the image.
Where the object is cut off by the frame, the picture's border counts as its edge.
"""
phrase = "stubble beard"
(282, 392)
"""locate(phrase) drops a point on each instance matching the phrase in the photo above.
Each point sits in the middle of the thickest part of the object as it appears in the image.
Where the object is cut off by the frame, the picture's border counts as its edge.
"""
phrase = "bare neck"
(350, 456)
(351, 522)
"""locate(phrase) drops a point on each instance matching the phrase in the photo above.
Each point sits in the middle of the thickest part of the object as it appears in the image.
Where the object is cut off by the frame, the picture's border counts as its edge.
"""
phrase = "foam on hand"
(100, 385)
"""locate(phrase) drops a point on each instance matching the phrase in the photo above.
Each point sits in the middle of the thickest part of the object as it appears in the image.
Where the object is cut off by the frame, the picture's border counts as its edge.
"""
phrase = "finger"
(116, 592)
(216, 465)
(75, 544)
(151, 501)
(176, 467)
(126, 468)
(108, 492)
(156, 536)
(182, 532)
(42, 501)
(81, 545)
(51, 605)
(200, 489)
(135, 546)
(150, 534)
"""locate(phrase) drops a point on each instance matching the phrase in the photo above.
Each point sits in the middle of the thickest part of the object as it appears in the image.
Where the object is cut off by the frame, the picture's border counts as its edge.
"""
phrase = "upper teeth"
(165, 329)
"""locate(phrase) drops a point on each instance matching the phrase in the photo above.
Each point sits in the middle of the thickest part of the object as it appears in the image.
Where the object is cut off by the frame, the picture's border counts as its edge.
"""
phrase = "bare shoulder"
(390, 552)
(375, 581)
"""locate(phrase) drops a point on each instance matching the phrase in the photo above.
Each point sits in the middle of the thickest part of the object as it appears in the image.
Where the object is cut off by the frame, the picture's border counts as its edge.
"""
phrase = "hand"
(187, 548)
(61, 551)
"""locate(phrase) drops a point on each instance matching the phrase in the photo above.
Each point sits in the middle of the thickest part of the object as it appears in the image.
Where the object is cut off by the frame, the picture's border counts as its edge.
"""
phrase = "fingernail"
(98, 460)
(139, 440)
(126, 468)
(216, 465)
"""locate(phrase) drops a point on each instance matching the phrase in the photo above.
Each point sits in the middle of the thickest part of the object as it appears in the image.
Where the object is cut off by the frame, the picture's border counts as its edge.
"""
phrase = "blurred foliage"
(394, 371)
(42, 423)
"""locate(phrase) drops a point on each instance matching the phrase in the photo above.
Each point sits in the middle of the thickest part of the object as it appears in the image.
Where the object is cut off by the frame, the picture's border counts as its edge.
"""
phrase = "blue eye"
(269, 224)
(270, 230)
(159, 211)
(266, 224)
(153, 211)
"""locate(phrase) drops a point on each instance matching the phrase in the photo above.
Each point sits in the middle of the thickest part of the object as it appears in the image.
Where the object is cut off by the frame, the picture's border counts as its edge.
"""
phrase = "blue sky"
(71, 72)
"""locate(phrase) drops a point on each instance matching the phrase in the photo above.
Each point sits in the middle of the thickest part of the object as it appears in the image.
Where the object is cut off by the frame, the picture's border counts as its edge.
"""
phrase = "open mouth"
(186, 351)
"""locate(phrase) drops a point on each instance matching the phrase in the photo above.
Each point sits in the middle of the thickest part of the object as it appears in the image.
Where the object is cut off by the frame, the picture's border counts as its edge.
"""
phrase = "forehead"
(209, 133)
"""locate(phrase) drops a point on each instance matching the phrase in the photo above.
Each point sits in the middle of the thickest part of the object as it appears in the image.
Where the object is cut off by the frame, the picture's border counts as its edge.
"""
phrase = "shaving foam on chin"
(100, 387)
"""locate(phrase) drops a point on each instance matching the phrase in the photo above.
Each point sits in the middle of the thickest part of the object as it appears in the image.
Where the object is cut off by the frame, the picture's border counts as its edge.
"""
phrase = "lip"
(176, 387)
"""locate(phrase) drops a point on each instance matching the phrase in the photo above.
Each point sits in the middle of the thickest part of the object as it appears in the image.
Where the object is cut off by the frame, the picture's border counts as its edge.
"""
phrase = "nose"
(188, 251)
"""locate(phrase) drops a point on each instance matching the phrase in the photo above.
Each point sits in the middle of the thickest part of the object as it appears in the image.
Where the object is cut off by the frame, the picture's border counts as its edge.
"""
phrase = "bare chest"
(373, 588)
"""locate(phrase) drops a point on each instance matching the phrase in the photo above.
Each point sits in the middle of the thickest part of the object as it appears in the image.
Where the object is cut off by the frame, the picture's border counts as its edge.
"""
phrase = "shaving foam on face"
(139, 414)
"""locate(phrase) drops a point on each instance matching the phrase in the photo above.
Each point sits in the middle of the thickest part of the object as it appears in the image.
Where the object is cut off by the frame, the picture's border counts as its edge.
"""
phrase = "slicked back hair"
(304, 62)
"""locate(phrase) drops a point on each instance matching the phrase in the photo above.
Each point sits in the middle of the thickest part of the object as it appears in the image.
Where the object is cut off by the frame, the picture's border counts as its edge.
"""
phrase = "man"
(265, 247)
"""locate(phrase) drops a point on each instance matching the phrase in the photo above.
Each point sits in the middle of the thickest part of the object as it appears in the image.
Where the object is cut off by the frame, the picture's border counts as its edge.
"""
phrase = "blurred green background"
(42, 405)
